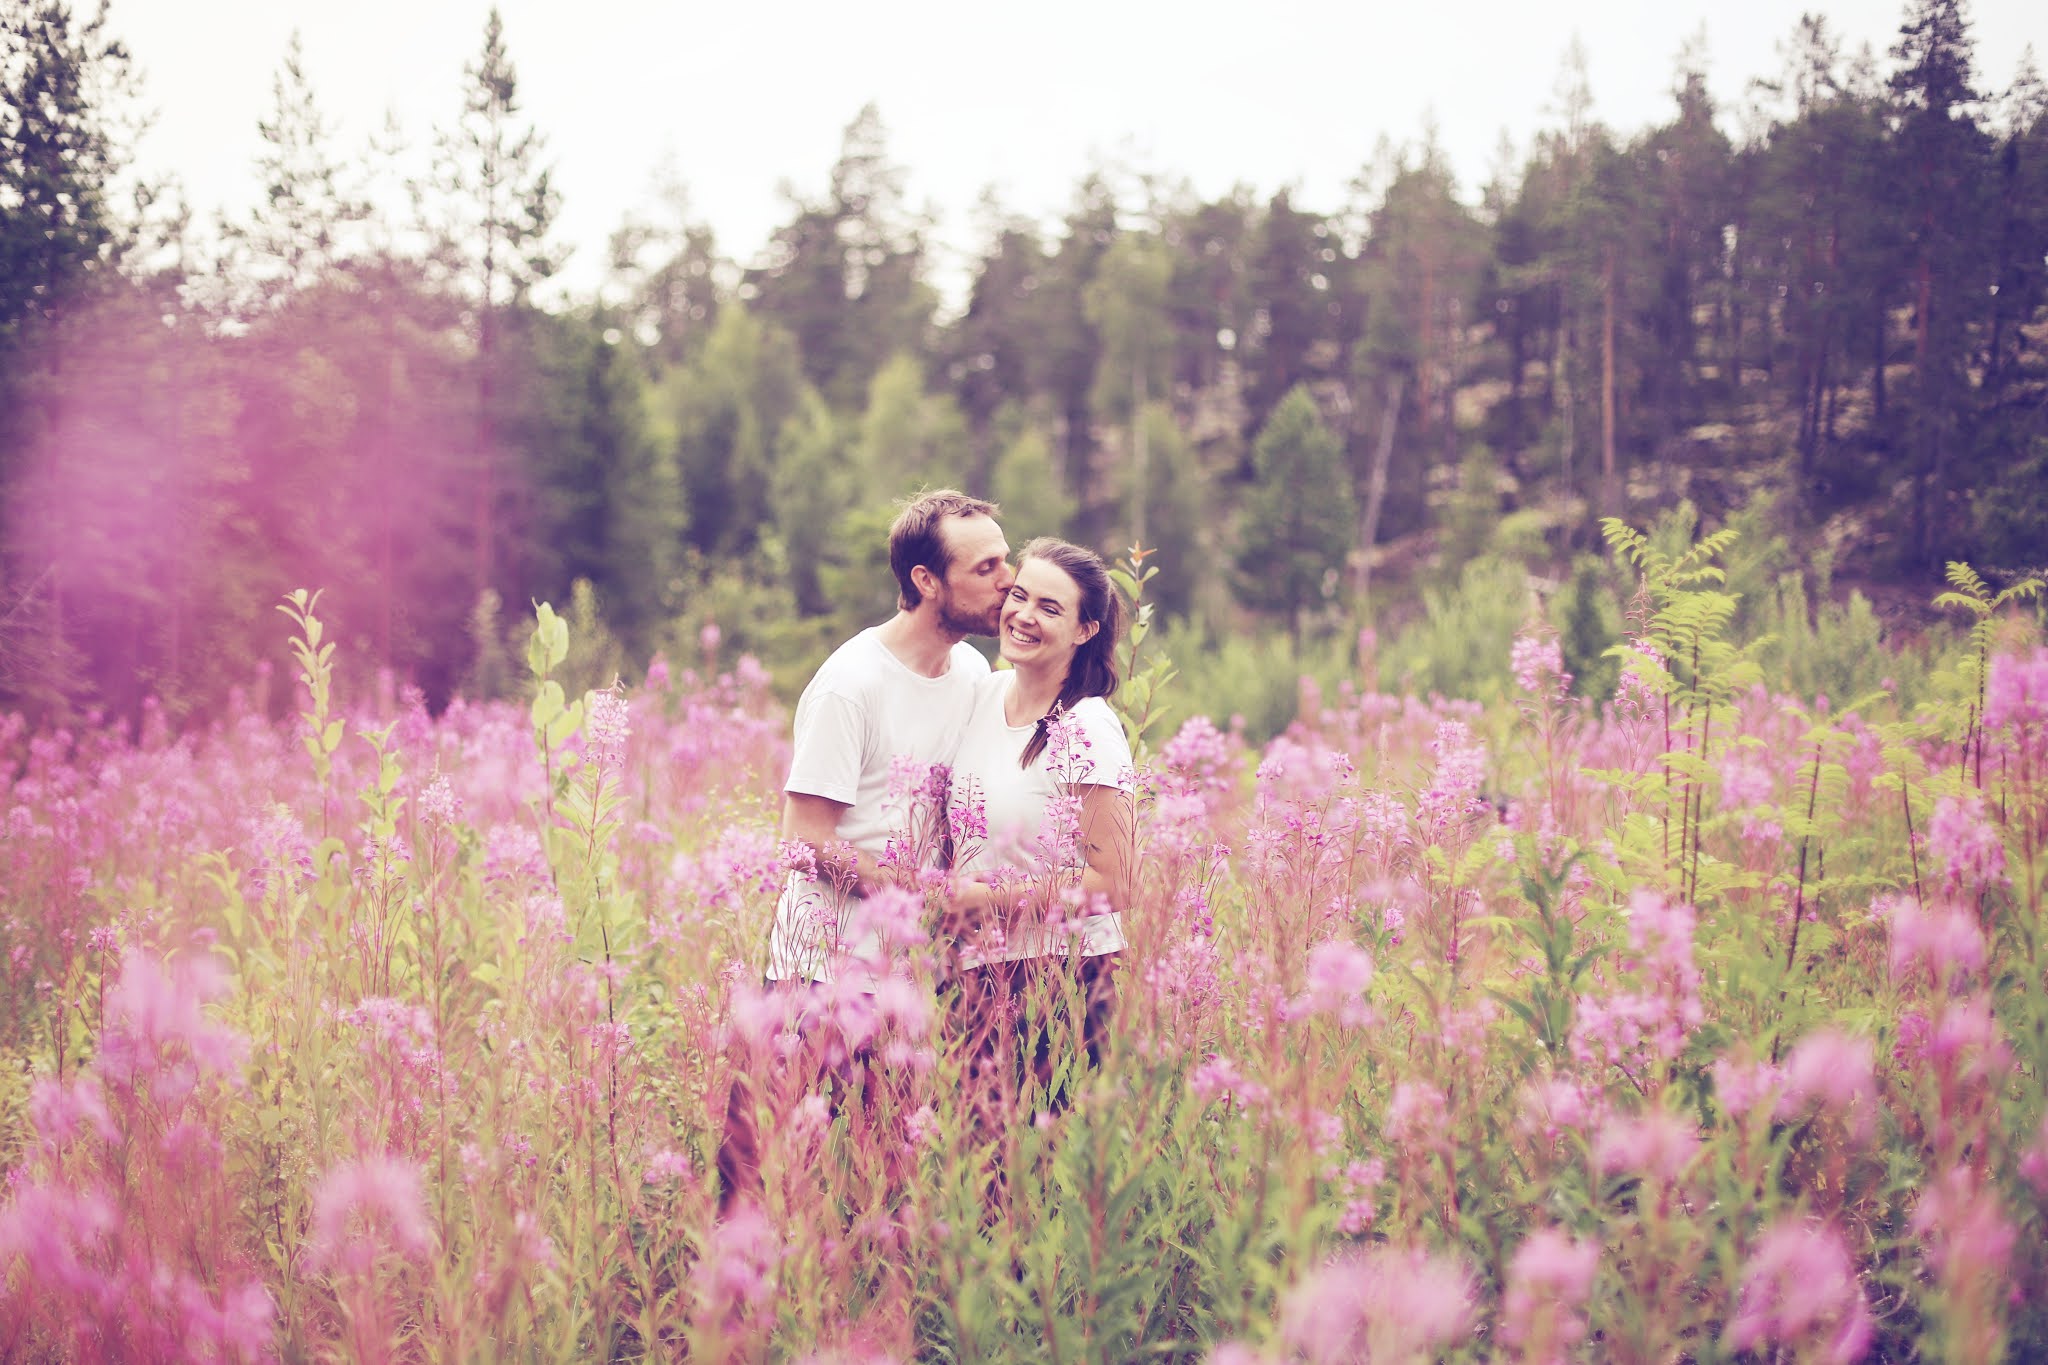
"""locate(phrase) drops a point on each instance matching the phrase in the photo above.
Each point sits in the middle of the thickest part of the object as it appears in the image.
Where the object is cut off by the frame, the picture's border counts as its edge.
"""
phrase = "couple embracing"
(1040, 803)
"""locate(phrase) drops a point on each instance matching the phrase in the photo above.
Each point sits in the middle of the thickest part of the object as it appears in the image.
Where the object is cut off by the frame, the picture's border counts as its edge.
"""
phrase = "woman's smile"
(1041, 616)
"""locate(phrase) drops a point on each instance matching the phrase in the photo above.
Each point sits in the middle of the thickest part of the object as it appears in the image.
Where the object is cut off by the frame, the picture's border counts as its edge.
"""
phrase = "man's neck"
(918, 642)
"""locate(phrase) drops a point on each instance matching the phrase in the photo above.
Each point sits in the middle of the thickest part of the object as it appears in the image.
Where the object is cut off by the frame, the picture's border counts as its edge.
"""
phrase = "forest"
(1821, 315)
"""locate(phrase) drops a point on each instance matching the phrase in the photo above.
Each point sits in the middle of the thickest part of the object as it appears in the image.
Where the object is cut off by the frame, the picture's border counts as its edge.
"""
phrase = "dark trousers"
(821, 1055)
(1006, 1017)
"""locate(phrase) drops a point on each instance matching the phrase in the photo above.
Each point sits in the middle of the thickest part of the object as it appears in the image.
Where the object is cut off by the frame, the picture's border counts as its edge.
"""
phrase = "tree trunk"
(1517, 362)
(1733, 378)
(1376, 483)
(1610, 492)
(1139, 463)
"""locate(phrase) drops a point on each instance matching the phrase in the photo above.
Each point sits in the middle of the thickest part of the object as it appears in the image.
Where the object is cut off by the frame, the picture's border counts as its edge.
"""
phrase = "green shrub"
(1233, 674)
(1460, 647)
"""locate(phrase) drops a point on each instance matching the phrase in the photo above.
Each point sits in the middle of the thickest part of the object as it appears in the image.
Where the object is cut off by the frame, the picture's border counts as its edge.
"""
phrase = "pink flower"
(59, 1111)
(1452, 796)
(1355, 1186)
(1657, 1146)
(1219, 1077)
(1237, 1353)
(1961, 838)
(439, 805)
(157, 1030)
(1549, 1281)
(1945, 938)
(1555, 1105)
(607, 723)
(885, 923)
(1966, 1042)
(1743, 1086)
(2034, 1163)
(669, 1167)
(1538, 665)
(737, 1274)
(1417, 1112)
(1387, 1305)
(1966, 1230)
(362, 1208)
(1201, 761)
(1338, 974)
(2016, 692)
(1744, 781)
(1831, 1071)
(1800, 1291)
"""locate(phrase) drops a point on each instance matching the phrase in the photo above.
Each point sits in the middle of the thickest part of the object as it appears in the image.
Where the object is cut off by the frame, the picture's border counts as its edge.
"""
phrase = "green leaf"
(566, 724)
(547, 704)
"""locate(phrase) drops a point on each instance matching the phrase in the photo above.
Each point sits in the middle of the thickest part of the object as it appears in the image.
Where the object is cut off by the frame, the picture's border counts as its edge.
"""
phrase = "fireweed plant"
(1700, 1023)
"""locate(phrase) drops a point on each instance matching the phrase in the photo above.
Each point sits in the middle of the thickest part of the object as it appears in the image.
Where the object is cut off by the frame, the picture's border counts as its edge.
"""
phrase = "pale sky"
(740, 98)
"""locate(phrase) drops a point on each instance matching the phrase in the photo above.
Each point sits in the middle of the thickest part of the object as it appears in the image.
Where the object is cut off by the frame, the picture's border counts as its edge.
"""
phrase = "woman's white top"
(1011, 822)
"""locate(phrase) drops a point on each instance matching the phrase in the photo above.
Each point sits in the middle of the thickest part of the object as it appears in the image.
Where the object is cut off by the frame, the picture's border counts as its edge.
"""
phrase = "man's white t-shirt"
(1086, 749)
(864, 710)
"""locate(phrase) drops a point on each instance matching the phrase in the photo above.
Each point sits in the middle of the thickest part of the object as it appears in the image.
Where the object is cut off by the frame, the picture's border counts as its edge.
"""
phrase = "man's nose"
(1005, 577)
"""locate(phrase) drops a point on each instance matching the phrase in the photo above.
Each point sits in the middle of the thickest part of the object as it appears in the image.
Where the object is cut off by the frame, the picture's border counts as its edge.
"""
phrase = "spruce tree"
(1299, 515)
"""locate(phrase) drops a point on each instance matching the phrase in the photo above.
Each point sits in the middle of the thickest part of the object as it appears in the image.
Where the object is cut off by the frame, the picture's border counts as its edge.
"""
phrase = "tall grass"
(1706, 1023)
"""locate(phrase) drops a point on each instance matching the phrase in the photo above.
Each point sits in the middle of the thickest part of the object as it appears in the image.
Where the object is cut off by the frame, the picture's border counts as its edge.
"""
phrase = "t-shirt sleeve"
(826, 758)
(1101, 756)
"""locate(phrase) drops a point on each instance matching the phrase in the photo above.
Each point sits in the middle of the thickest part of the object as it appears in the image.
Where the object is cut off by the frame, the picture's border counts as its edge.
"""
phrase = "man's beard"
(957, 622)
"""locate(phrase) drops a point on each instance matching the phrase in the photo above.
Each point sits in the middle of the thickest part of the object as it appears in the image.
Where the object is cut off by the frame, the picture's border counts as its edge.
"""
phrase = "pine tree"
(58, 159)
(1298, 517)
(499, 204)
(1942, 157)
(845, 276)
(300, 228)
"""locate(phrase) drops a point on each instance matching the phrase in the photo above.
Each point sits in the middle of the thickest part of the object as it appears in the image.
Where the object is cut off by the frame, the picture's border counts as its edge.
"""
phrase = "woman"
(1042, 814)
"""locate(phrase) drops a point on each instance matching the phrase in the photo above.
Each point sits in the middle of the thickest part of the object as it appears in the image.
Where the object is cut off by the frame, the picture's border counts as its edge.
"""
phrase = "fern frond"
(1964, 600)
(1965, 579)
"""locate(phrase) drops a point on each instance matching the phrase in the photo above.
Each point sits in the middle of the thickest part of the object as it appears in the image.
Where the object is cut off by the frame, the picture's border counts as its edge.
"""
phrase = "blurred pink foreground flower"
(1657, 1146)
(1388, 1305)
(1338, 974)
(1549, 1281)
(1799, 1291)
(1834, 1072)
(364, 1207)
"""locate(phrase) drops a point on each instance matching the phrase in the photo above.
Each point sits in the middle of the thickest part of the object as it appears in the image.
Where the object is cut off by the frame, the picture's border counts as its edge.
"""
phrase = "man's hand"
(814, 820)
(967, 909)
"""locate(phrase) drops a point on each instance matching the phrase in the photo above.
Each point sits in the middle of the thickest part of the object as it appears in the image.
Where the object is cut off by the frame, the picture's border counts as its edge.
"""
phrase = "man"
(900, 690)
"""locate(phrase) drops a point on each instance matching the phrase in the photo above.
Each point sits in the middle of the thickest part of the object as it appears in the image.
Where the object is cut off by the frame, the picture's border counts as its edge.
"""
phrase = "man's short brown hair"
(917, 537)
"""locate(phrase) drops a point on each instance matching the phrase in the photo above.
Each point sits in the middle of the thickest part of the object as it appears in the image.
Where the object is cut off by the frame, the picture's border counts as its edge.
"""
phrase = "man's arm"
(814, 820)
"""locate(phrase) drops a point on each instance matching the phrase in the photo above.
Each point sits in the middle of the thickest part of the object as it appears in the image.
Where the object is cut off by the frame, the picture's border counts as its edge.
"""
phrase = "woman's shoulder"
(1107, 753)
(1095, 712)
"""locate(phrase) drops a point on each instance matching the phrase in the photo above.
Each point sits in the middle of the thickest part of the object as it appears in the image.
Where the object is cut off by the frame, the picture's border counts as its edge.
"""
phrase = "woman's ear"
(1088, 629)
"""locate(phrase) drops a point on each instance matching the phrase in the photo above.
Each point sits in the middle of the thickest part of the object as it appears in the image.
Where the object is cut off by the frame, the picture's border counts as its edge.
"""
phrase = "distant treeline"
(1846, 306)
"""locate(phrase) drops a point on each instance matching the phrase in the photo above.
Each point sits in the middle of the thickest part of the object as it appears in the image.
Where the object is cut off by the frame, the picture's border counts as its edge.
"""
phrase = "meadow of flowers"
(1704, 1023)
